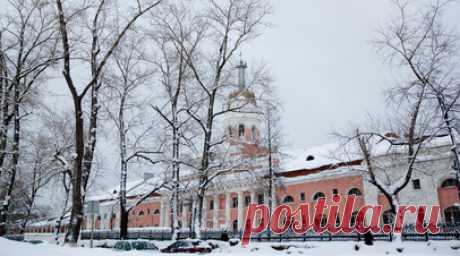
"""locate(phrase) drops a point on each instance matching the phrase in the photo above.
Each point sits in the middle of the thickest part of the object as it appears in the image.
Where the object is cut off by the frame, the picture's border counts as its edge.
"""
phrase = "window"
(260, 199)
(156, 212)
(448, 183)
(387, 217)
(141, 213)
(354, 191)
(452, 215)
(416, 183)
(98, 217)
(288, 199)
(230, 134)
(241, 130)
(234, 202)
(318, 195)
(335, 191)
(211, 205)
(302, 197)
(235, 226)
(247, 201)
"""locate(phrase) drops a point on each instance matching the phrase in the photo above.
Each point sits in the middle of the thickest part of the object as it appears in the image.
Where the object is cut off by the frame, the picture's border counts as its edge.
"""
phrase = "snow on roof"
(311, 158)
(334, 153)
(133, 188)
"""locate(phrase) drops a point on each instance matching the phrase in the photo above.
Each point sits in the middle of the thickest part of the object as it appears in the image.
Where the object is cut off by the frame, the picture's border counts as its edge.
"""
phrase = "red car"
(188, 246)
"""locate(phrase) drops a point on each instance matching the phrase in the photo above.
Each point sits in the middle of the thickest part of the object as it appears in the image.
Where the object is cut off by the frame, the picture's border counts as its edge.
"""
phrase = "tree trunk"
(76, 216)
(124, 170)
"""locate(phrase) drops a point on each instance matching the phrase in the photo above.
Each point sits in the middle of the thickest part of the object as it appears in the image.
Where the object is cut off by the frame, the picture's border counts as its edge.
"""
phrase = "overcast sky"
(328, 73)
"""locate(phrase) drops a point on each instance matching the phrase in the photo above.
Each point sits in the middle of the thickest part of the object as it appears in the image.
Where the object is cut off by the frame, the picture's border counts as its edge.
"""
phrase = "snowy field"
(13, 248)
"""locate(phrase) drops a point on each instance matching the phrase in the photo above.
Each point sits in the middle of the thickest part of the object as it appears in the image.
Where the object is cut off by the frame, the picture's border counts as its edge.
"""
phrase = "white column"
(274, 202)
(228, 201)
(167, 213)
(253, 196)
(162, 213)
(240, 209)
(215, 213)
(205, 213)
(266, 198)
(184, 216)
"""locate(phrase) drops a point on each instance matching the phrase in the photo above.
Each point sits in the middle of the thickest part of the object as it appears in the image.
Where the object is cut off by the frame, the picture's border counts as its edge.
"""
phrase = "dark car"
(35, 241)
(188, 246)
(134, 245)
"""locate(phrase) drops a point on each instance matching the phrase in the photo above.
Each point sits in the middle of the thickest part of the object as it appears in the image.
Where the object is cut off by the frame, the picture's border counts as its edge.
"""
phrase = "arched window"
(318, 195)
(156, 212)
(288, 199)
(354, 191)
(452, 215)
(387, 217)
(141, 213)
(448, 183)
(241, 130)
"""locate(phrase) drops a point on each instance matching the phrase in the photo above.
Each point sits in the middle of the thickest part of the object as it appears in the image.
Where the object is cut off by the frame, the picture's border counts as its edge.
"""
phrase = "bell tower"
(243, 124)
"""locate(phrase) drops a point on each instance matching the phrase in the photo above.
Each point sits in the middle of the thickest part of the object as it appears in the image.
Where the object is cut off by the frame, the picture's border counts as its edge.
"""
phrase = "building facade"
(301, 178)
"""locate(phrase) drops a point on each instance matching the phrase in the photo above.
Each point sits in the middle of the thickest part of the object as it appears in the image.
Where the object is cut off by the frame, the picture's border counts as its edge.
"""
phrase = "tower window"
(241, 130)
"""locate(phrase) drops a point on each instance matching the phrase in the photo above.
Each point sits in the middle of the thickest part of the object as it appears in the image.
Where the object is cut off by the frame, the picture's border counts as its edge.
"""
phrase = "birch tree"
(102, 42)
(126, 82)
(175, 32)
(27, 50)
(231, 25)
(420, 43)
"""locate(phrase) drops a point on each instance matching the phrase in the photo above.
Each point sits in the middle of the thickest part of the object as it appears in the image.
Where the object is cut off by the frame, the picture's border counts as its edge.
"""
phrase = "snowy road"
(12, 248)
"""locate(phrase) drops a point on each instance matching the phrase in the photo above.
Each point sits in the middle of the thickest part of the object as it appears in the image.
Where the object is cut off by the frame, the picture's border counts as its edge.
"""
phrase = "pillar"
(215, 214)
(228, 205)
(240, 209)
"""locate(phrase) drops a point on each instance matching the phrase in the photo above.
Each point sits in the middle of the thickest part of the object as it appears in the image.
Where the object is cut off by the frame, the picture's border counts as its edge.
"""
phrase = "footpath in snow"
(14, 248)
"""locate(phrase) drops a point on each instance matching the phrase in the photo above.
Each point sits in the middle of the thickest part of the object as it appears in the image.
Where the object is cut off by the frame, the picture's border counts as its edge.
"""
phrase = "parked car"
(104, 245)
(188, 246)
(134, 245)
(34, 241)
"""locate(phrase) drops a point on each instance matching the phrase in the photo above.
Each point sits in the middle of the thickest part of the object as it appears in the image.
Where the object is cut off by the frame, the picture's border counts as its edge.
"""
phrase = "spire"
(242, 66)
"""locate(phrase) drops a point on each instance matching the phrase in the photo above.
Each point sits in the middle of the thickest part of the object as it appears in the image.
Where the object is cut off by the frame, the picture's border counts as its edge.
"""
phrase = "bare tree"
(428, 49)
(231, 24)
(272, 140)
(174, 33)
(128, 77)
(99, 51)
(27, 50)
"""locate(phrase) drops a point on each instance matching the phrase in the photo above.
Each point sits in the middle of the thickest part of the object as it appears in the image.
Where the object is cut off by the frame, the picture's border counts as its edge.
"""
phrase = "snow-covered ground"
(13, 248)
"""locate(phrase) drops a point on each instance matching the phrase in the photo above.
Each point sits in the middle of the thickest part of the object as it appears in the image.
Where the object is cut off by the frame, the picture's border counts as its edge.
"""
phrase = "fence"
(447, 232)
